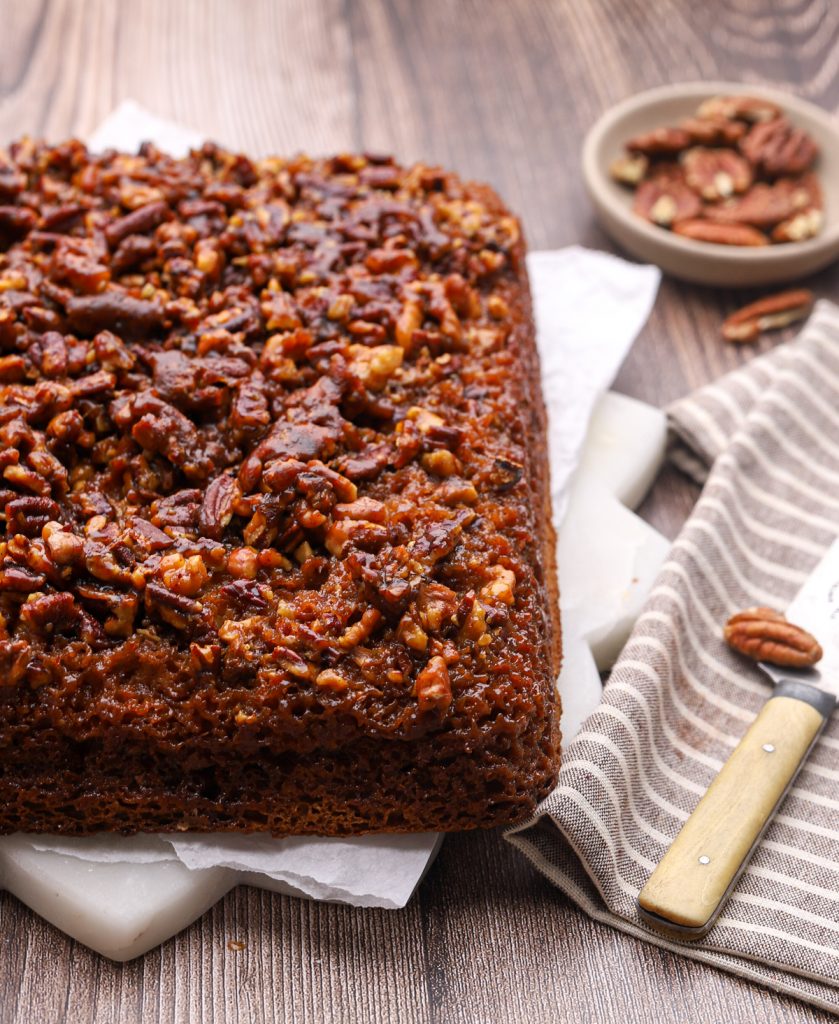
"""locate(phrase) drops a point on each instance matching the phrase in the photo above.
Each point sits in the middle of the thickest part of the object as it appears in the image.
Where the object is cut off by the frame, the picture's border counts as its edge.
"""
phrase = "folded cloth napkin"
(678, 701)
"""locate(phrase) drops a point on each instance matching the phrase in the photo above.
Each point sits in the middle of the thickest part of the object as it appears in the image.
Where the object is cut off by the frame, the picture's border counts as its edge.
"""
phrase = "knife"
(688, 889)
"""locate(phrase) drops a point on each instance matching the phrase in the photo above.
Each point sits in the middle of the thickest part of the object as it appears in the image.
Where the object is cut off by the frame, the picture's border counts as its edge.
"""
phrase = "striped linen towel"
(766, 437)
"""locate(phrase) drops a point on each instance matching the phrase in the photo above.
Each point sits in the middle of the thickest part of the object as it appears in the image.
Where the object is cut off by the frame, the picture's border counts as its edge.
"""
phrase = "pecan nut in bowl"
(720, 234)
(716, 173)
(777, 147)
(767, 205)
(665, 202)
(771, 201)
(751, 109)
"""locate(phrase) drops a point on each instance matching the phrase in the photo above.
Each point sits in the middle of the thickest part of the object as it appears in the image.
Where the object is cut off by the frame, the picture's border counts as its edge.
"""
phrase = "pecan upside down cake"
(277, 548)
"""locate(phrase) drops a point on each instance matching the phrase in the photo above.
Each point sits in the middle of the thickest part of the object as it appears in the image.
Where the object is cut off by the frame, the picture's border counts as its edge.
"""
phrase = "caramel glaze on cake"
(277, 551)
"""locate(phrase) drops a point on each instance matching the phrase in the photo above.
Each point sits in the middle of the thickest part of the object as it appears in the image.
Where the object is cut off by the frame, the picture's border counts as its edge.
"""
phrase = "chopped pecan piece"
(185, 576)
(437, 606)
(53, 354)
(175, 609)
(769, 313)
(441, 463)
(111, 352)
(375, 366)
(243, 563)
(505, 474)
(360, 631)
(329, 679)
(65, 548)
(119, 608)
(458, 492)
(362, 508)
(29, 515)
(14, 657)
(138, 222)
(360, 532)
(19, 579)
(93, 384)
(146, 537)
(410, 632)
(409, 320)
(47, 614)
(28, 479)
(12, 369)
(501, 587)
(15, 222)
(162, 428)
(115, 311)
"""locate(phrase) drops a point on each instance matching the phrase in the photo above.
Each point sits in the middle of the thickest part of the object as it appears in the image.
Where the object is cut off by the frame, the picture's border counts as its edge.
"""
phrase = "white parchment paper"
(589, 307)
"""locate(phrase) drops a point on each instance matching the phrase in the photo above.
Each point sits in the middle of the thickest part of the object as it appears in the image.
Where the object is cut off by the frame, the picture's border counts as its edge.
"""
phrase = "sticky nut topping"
(244, 424)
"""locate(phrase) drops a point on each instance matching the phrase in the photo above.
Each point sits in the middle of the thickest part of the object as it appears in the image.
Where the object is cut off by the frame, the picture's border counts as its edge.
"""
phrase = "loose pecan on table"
(764, 634)
(772, 312)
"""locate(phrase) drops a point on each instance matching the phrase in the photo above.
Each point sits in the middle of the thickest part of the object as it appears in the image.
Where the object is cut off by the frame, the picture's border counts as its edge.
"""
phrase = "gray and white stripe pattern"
(678, 700)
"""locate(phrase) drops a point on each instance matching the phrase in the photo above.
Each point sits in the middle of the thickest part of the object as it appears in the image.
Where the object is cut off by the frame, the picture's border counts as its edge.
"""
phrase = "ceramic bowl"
(703, 262)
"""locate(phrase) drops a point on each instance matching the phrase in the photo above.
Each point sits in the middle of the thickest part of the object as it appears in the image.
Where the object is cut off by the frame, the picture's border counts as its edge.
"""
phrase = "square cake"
(277, 552)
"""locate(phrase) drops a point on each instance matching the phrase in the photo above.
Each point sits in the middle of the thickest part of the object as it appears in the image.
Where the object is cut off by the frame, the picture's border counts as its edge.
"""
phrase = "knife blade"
(688, 889)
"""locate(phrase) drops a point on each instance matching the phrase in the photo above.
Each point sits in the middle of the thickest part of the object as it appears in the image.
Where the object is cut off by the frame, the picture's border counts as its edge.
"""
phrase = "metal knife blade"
(816, 609)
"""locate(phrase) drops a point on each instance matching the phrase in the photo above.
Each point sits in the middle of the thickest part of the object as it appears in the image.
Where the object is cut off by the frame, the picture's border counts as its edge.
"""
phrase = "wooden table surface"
(501, 90)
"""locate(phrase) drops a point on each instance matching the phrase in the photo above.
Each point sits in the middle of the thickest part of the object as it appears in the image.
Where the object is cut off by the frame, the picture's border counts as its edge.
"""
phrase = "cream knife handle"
(692, 880)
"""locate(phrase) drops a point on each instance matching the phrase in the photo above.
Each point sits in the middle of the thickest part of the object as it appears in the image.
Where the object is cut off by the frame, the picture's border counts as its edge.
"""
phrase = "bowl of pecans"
(718, 183)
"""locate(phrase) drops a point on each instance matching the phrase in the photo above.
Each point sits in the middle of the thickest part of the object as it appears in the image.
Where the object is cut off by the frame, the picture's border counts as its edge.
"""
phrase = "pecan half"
(765, 635)
(629, 170)
(660, 142)
(754, 109)
(713, 131)
(769, 313)
(716, 173)
(765, 205)
(804, 225)
(664, 203)
(777, 147)
(721, 234)
(217, 507)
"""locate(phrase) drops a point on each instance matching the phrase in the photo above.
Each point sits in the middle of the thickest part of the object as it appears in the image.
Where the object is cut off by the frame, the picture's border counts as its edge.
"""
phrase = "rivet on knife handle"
(686, 891)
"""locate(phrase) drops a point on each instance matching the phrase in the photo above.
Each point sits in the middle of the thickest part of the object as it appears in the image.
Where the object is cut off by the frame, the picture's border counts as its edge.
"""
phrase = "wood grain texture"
(501, 90)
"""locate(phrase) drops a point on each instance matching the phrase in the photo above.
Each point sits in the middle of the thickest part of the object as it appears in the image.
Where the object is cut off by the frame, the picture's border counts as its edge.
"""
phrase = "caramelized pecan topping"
(256, 424)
